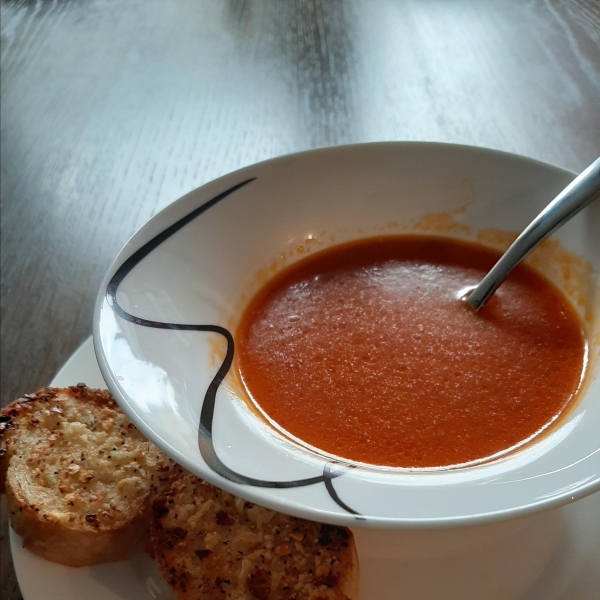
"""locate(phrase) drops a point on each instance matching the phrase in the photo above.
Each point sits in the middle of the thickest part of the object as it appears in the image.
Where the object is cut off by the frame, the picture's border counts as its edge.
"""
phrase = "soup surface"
(365, 351)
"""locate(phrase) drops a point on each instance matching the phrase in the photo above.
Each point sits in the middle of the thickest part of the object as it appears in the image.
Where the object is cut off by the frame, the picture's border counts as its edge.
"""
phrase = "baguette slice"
(77, 475)
(209, 544)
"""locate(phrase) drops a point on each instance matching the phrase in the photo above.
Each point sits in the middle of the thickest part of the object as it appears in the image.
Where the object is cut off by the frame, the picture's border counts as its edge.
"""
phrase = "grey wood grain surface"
(110, 110)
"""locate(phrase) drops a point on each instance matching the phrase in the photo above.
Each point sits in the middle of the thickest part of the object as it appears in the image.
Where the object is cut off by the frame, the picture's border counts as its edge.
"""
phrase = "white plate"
(549, 557)
(175, 290)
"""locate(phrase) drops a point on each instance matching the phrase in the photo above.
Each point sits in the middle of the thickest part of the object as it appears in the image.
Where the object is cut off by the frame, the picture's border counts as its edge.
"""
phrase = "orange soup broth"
(365, 351)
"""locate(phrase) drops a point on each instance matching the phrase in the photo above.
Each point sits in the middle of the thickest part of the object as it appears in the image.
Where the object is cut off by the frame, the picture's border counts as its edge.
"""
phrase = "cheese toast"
(77, 475)
(209, 544)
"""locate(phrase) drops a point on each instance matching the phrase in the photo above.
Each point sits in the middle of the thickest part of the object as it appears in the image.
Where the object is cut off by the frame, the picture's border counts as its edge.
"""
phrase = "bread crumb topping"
(211, 544)
(76, 457)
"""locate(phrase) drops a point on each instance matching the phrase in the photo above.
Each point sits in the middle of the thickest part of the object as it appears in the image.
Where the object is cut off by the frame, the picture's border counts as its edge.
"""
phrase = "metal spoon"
(582, 191)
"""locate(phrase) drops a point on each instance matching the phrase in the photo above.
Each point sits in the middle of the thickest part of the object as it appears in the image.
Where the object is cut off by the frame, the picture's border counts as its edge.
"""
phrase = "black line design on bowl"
(205, 437)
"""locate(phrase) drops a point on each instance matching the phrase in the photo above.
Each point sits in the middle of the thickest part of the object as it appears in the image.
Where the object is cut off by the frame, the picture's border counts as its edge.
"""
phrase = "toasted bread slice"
(210, 544)
(78, 476)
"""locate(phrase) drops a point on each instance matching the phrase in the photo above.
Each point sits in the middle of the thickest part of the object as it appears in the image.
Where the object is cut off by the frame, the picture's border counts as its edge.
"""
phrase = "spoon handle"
(582, 191)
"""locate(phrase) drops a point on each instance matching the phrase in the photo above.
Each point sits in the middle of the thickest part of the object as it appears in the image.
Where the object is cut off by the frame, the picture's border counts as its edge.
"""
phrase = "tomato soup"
(365, 351)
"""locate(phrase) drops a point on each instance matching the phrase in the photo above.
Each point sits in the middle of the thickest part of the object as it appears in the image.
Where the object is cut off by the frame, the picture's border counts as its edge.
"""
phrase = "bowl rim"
(280, 504)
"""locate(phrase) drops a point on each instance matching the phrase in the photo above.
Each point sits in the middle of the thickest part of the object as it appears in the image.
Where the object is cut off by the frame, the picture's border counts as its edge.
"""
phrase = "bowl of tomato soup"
(295, 333)
(367, 352)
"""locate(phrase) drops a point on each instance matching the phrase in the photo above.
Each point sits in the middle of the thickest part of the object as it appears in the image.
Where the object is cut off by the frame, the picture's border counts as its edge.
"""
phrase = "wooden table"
(111, 110)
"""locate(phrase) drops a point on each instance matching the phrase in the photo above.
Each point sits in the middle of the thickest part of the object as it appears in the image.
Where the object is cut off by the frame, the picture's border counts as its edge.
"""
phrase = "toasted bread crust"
(77, 475)
(75, 547)
(209, 544)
